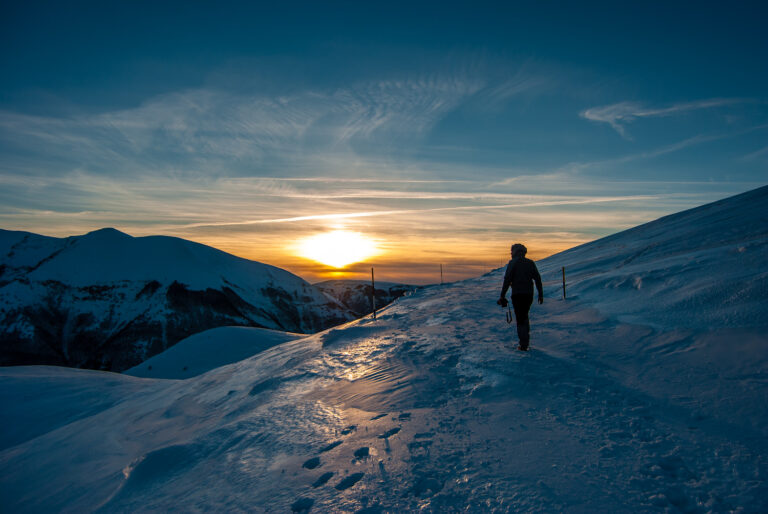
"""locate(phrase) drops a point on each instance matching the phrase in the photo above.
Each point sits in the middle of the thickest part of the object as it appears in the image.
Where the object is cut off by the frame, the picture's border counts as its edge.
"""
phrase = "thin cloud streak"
(620, 114)
(417, 211)
(759, 154)
(356, 180)
(674, 147)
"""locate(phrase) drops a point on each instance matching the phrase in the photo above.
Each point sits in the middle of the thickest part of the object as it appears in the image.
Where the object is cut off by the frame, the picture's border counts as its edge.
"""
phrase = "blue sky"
(443, 130)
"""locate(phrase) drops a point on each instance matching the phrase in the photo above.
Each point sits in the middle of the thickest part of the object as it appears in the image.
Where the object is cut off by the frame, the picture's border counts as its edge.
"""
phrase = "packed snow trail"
(428, 406)
(617, 408)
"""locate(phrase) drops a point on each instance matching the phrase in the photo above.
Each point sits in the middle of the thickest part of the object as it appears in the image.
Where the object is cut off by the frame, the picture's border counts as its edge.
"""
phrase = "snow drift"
(623, 405)
(210, 349)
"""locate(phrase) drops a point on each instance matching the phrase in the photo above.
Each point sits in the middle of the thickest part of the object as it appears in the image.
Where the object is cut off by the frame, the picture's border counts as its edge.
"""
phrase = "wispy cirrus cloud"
(667, 149)
(757, 154)
(496, 93)
(621, 114)
(223, 132)
(208, 130)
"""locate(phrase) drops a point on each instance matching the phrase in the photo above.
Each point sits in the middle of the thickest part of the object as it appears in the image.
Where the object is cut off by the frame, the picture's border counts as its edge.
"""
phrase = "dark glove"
(502, 301)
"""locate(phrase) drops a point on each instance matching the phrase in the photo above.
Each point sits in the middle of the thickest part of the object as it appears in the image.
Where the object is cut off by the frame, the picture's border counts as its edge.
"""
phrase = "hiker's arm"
(508, 277)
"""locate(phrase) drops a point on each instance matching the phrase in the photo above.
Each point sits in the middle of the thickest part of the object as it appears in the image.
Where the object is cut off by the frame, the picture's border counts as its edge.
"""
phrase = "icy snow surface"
(644, 391)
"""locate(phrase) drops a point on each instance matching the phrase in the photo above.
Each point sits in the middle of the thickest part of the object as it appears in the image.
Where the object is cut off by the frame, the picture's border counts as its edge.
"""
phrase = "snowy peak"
(105, 235)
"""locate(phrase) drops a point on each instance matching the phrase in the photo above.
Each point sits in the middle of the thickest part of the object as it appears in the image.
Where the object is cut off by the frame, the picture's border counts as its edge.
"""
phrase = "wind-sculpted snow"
(107, 300)
(428, 408)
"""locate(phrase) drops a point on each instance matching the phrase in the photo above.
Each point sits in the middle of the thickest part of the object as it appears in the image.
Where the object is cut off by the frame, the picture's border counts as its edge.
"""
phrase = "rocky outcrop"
(356, 294)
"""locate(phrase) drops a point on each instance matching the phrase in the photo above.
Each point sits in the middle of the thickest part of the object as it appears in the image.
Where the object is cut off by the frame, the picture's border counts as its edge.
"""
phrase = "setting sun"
(338, 248)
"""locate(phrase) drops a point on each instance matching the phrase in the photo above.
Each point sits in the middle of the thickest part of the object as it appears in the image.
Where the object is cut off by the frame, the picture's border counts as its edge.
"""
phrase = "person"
(520, 275)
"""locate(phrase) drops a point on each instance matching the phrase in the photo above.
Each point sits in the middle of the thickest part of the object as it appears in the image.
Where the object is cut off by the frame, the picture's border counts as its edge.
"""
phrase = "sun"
(338, 248)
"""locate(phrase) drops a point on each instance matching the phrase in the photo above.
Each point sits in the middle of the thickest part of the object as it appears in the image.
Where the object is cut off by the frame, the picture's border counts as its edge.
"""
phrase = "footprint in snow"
(426, 486)
(389, 433)
(378, 416)
(302, 505)
(374, 509)
(349, 481)
(420, 449)
(322, 479)
(330, 446)
(349, 429)
(311, 463)
(363, 453)
(415, 445)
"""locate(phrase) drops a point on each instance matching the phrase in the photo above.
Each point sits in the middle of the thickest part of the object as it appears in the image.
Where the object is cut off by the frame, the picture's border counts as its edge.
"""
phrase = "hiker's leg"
(522, 304)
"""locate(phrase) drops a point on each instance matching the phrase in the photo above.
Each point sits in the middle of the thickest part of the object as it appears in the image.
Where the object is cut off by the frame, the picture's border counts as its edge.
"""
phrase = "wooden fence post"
(563, 282)
(373, 294)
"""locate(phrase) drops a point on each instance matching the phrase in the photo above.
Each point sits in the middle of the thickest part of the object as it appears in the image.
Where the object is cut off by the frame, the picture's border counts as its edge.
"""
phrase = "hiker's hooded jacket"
(520, 275)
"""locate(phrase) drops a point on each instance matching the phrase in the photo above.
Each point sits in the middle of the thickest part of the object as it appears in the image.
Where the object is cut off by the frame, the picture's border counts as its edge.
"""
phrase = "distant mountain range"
(356, 294)
(106, 300)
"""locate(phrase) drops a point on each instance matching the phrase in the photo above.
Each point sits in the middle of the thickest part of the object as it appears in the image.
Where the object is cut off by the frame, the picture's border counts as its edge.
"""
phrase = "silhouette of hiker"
(520, 275)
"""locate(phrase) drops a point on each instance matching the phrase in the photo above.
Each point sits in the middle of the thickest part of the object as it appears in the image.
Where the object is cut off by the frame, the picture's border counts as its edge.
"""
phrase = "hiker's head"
(518, 250)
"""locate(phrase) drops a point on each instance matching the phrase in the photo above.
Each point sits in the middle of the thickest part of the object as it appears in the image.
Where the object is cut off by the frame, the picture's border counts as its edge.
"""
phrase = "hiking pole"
(509, 314)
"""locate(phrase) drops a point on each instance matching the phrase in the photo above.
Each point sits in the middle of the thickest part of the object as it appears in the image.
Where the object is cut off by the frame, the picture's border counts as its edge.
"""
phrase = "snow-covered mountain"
(106, 300)
(356, 294)
(644, 392)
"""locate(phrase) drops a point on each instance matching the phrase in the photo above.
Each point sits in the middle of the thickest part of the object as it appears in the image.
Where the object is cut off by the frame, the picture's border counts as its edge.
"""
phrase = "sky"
(443, 131)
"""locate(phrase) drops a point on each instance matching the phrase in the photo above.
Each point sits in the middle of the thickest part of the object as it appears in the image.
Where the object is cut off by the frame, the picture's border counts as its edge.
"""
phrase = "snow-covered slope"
(107, 300)
(616, 409)
(210, 349)
(356, 294)
(702, 267)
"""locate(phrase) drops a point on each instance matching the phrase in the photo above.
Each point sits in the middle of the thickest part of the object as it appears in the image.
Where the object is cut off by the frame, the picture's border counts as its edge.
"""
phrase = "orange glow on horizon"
(338, 248)
(405, 259)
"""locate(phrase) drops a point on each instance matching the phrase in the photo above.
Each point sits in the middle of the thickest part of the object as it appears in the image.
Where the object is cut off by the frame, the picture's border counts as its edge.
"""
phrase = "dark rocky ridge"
(356, 294)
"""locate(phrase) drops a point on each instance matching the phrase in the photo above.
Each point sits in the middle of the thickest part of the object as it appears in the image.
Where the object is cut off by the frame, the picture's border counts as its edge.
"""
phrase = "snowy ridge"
(106, 300)
(429, 407)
